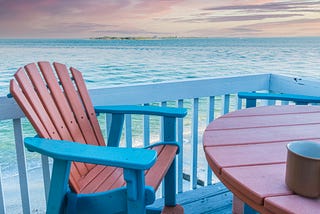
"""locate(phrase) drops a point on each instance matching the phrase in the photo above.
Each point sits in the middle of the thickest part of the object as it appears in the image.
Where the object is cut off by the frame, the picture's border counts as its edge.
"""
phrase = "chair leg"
(171, 206)
(239, 207)
(58, 186)
(135, 191)
(170, 185)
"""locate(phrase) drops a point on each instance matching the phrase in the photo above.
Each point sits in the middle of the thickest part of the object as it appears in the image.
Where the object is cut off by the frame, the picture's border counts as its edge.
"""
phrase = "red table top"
(247, 151)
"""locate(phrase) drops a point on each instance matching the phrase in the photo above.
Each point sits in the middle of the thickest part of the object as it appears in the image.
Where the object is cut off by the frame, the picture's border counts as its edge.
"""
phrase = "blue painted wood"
(180, 155)
(134, 162)
(210, 118)
(213, 199)
(251, 98)
(104, 202)
(131, 93)
(195, 134)
(21, 160)
(135, 158)
(149, 110)
(170, 189)
(135, 191)
(58, 186)
(46, 175)
(115, 129)
(226, 103)
(146, 129)
(128, 133)
(118, 113)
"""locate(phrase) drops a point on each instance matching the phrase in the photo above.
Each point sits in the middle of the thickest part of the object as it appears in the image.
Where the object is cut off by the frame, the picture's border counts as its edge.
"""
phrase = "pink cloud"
(86, 18)
(155, 6)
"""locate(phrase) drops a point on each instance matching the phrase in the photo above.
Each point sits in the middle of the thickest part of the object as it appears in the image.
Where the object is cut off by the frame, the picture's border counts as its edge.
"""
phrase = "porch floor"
(215, 198)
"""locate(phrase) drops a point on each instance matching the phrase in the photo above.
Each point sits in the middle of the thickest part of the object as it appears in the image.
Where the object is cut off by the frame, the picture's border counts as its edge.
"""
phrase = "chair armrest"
(251, 98)
(285, 97)
(133, 158)
(149, 110)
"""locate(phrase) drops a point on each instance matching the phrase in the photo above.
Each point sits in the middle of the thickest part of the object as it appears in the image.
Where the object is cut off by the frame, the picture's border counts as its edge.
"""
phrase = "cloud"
(83, 18)
(297, 27)
(236, 18)
(155, 6)
(273, 6)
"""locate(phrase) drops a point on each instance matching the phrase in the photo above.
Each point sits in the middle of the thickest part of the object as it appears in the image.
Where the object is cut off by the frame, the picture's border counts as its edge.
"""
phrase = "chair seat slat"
(160, 168)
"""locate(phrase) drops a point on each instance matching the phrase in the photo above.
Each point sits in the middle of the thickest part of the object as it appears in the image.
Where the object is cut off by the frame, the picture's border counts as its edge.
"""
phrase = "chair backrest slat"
(27, 108)
(78, 169)
(76, 104)
(83, 92)
(48, 101)
(34, 100)
(61, 102)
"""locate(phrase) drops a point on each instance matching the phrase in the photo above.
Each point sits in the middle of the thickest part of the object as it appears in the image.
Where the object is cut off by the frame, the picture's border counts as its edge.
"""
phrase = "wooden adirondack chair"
(92, 178)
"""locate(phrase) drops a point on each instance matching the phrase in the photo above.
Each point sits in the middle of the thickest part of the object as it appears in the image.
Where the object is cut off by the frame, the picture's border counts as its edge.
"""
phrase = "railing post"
(210, 119)
(21, 159)
(194, 132)
(46, 175)
(226, 104)
(180, 155)
(146, 129)
(128, 124)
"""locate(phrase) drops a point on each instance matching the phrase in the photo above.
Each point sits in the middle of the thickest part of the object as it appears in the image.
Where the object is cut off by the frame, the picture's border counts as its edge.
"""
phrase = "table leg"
(239, 207)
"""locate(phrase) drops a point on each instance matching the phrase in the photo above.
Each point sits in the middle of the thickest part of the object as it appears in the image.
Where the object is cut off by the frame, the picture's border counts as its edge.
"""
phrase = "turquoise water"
(118, 62)
(114, 62)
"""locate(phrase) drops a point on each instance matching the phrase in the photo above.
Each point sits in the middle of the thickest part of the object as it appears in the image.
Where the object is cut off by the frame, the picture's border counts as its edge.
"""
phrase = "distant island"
(133, 37)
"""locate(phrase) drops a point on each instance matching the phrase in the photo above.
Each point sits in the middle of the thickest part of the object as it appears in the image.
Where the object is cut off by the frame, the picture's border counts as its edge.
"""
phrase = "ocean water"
(115, 62)
(119, 62)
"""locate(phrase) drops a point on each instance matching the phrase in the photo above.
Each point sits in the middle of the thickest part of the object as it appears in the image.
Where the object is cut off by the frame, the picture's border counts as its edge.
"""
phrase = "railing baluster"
(210, 118)
(108, 120)
(2, 203)
(164, 104)
(226, 103)
(180, 155)
(46, 175)
(194, 132)
(128, 130)
(21, 159)
(146, 129)
(239, 103)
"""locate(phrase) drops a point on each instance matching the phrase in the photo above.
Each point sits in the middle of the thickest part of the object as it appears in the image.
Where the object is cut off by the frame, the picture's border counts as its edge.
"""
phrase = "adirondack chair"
(89, 176)
(252, 97)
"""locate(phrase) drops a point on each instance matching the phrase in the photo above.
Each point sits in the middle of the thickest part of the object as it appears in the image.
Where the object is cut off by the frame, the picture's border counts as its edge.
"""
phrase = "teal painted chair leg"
(135, 191)
(170, 185)
(58, 186)
(170, 178)
(115, 130)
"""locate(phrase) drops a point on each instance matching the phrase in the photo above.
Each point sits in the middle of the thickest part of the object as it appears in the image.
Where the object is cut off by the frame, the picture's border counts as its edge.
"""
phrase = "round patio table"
(247, 151)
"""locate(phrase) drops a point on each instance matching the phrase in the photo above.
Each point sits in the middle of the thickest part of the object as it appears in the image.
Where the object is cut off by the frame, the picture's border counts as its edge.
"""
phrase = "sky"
(181, 18)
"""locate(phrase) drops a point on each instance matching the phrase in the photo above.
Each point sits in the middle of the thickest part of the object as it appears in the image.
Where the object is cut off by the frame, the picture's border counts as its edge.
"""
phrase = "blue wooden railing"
(206, 99)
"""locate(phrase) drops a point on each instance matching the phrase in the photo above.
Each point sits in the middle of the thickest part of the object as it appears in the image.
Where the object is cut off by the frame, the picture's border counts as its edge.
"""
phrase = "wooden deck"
(215, 198)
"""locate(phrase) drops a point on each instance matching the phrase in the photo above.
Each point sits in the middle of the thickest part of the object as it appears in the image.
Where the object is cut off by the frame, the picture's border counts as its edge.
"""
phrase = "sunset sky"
(182, 18)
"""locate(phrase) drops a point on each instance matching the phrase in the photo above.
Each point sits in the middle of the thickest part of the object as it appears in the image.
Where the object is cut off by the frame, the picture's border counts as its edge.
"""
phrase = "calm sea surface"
(116, 62)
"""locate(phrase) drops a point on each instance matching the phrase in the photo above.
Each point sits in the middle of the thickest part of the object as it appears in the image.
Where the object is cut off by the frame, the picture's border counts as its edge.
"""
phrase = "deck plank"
(211, 199)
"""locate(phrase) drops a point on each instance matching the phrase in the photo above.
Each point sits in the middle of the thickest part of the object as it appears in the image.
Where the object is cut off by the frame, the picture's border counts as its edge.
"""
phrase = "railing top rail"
(183, 89)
